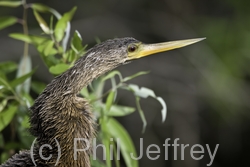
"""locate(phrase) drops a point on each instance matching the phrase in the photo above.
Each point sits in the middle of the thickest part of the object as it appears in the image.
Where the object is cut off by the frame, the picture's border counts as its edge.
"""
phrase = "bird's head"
(121, 50)
(110, 54)
(107, 55)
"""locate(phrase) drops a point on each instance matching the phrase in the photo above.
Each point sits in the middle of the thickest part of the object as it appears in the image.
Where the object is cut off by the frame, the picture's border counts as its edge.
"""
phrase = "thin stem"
(117, 162)
(25, 28)
(106, 93)
(8, 87)
(56, 43)
(141, 113)
(52, 35)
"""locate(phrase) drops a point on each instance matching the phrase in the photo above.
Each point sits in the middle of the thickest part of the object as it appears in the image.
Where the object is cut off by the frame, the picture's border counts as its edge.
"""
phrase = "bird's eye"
(132, 48)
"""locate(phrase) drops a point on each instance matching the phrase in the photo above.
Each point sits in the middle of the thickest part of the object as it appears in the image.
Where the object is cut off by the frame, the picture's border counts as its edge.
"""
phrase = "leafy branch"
(53, 48)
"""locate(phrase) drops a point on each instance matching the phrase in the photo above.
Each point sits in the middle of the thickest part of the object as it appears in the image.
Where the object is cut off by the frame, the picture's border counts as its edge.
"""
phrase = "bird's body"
(59, 115)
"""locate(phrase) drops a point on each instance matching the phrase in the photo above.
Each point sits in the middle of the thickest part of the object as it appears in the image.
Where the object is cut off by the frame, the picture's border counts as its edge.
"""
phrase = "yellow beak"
(148, 49)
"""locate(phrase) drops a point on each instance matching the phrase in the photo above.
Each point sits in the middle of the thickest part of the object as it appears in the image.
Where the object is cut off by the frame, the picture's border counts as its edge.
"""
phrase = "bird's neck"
(85, 70)
(58, 114)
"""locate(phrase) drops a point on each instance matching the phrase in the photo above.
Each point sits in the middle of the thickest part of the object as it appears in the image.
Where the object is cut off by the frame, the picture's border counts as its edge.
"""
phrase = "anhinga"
(58, 113)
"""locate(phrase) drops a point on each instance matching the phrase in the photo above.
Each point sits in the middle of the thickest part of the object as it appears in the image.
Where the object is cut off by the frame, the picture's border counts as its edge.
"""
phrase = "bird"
(59, 115)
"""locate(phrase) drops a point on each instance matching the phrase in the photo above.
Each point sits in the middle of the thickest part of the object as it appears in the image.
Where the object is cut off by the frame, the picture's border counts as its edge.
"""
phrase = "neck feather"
(58, 114)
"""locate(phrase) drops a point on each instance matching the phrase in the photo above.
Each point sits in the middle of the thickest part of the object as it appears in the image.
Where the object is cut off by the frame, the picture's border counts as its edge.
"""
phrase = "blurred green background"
(206, 85)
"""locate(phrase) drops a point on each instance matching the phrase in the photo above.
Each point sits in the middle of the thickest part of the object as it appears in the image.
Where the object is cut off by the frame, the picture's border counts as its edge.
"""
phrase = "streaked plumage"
(58, 113)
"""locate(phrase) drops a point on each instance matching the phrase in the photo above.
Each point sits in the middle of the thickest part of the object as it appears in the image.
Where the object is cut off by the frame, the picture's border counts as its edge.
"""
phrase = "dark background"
(206, 85)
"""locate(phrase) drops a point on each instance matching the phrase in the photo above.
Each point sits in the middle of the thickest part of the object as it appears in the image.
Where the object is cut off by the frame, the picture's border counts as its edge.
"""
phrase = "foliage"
(15, 98)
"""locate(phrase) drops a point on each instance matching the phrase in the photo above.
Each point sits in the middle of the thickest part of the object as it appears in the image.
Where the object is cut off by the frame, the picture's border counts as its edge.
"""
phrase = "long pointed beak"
(148, 49)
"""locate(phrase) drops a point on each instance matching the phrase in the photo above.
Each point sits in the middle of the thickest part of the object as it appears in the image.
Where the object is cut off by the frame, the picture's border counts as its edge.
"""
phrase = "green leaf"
(24, 68)
(6, 116)
(11, 3)
(97, 86)
(49, 48)
(135, 75)
(40, 7)
(21, 79)
(1, 87)
(76, 42)
(95, 163)
(97, 40)
(1, 141)
(144, 121)
(68, 16)
(32, 39)
(61, 25)
(4, 156)
(164, 108)
(118, 111)
(3, 104)
(7, 67)
(146, 92)
(7, 21)
(123, 140)
(110, 100)
(106, 141)
(25, 122)
(85, 92)
(27, 99)
(111, 75)
(3, 78)
(71, 56)
(42, 22)
(51, 23)
(59, 68)
(5, 84)
(43, 8)
(37, 87)
(23, 133)
(143, 92)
